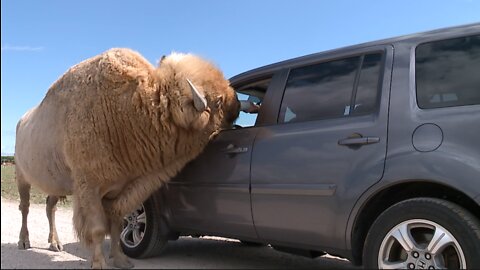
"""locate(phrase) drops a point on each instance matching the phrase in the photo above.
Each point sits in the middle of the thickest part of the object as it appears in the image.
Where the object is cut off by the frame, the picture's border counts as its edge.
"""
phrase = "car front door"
(211, 194)
(328, 147)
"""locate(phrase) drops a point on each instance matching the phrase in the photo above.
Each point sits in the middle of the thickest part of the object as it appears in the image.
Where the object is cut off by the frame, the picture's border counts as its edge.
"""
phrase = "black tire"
(420, 218)
(155, 231)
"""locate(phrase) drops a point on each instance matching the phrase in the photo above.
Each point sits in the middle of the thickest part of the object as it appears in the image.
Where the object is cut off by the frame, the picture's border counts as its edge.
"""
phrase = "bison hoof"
(99, 264)
(122, 262)
(23, 244)
(56, 247)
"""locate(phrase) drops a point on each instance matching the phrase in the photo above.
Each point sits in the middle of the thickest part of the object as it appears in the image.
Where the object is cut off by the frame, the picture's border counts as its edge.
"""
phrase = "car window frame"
(361, 52)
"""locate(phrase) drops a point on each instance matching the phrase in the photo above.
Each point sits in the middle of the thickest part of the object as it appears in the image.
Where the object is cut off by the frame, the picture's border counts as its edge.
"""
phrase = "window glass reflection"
(448, 72)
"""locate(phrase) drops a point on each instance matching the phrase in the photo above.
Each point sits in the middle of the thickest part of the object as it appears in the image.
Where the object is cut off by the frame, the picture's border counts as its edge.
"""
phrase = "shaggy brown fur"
(111, 131)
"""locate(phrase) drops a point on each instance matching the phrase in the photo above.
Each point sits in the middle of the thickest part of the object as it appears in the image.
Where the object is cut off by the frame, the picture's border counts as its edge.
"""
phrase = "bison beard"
(111, 131)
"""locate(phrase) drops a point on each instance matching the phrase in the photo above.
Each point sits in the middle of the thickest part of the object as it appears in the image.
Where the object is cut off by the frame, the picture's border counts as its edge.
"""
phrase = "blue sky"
(41, 39)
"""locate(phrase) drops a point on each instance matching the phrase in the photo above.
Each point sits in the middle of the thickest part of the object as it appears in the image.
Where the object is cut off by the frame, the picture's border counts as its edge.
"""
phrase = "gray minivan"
(369, 152)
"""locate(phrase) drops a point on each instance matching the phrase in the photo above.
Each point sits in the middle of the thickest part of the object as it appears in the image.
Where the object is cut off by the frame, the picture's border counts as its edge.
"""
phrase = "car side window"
(253, 92)
(332, 89)
(448, 72)
(366, 97)
(247, 119)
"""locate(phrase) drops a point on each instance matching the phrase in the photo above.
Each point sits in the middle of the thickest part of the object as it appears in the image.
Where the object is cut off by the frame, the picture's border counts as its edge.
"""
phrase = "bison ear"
(199, 100)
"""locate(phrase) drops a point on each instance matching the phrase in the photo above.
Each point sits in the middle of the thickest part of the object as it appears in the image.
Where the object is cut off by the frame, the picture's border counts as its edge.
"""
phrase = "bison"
(111, 131)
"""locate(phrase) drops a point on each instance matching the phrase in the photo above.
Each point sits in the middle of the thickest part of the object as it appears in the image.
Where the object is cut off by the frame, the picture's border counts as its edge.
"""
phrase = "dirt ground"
(185, 253)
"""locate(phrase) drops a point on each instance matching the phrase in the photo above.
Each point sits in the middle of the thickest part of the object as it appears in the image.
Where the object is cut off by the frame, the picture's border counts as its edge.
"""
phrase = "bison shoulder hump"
(124, 65)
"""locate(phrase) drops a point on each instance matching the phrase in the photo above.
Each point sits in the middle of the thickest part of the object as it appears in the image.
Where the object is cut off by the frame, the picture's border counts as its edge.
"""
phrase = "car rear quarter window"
(448, 72)
(333, 89)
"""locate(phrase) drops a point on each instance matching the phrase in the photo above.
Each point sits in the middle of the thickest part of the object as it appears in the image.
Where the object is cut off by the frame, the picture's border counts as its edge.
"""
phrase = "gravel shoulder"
(185, 253)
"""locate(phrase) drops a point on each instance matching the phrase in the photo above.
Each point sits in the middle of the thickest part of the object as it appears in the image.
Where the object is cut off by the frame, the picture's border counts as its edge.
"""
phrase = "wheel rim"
(420, 244)
(134, 226)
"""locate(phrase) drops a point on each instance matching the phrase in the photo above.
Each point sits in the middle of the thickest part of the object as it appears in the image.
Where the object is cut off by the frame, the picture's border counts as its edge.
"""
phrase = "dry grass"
(10, 191)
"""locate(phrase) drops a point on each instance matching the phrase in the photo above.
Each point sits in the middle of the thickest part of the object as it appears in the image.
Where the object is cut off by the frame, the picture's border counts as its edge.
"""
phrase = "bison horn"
(198, 100)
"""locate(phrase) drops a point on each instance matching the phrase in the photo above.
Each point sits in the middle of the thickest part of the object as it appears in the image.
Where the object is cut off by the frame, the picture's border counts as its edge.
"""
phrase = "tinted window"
(329, 90)
(319, 91)
(367, 90)
(448, 72)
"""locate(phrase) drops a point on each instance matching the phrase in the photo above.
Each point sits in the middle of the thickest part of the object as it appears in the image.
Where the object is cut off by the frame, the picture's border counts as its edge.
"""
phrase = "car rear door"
(328, 147)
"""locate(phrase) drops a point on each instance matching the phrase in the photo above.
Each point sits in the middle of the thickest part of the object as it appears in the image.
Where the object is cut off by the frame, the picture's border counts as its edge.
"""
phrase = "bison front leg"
(51, 208)
(24, 191)
(120, 260)
(89, 220)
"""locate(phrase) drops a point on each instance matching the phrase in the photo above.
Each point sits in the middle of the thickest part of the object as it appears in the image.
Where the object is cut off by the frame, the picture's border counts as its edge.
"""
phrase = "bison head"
(199, 96)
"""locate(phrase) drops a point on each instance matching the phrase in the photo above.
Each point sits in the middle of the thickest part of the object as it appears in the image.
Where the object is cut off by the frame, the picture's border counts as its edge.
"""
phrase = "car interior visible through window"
(253, 92)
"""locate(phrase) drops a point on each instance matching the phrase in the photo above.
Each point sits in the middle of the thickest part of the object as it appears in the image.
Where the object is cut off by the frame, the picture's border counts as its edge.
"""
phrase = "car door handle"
(358, 140)
(232, 149)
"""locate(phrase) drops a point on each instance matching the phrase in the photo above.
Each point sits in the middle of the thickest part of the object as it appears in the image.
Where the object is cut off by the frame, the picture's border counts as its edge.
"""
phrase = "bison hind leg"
(51, 207)
(24, 192)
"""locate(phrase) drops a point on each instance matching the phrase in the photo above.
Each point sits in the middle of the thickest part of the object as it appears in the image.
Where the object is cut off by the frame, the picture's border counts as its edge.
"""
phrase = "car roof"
(446, 32)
